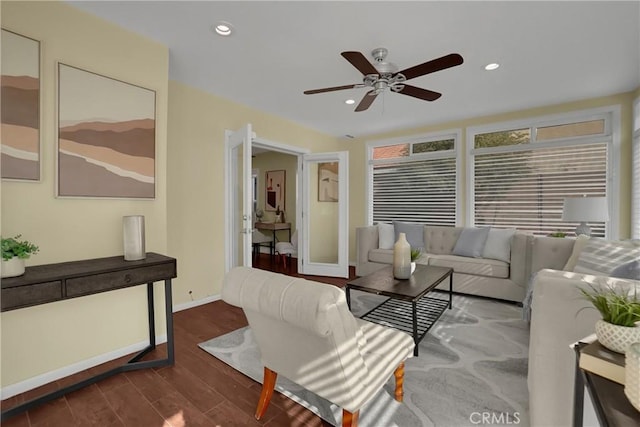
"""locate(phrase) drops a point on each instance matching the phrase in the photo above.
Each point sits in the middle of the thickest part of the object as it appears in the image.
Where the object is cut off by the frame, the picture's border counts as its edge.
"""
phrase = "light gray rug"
(471, 370)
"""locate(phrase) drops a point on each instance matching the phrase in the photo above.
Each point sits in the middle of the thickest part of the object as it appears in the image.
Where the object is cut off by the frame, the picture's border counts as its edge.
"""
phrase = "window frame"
(456, 153)
(635, 149)
(611, 115)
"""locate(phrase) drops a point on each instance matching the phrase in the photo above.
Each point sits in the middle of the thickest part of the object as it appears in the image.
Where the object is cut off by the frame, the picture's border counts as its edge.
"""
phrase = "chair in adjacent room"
(305, 332)
(285, 250)
(259, 239)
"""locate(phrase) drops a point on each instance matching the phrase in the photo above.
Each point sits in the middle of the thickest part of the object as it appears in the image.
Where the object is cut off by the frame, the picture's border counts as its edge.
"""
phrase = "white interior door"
(324, 241)
(239, 194)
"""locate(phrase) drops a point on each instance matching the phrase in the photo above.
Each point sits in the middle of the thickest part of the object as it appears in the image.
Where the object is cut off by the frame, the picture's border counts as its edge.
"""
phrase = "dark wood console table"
(43, 284)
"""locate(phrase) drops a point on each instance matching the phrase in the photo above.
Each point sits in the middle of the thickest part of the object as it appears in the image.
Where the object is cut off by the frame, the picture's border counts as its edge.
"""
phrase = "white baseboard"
(191, 304)
(34, 382)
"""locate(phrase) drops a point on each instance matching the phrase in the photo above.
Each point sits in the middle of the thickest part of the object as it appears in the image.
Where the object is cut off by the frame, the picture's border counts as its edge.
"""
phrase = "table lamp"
(583, 210)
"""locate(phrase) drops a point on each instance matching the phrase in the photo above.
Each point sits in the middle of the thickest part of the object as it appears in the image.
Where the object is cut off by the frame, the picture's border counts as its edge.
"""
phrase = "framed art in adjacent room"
(328, 182)
(275, 190)
(20, 107)
(106, 136)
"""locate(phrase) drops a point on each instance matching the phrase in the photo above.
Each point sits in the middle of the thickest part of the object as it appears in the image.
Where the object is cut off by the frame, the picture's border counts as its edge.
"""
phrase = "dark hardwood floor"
(199, 390)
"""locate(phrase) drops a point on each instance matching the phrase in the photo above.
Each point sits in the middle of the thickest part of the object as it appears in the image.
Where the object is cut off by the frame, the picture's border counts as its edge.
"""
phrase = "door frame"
(230, 170)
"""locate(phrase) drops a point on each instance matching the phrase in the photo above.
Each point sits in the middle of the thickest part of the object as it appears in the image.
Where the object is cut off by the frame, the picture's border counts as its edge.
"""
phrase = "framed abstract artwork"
(328, 182)
(20, 107)
(106, 136)
(275, 190)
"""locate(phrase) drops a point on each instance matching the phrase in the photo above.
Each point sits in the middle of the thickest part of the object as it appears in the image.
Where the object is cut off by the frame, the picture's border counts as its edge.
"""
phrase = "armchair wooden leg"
(399, 374)
(350, 419)
(268, 384)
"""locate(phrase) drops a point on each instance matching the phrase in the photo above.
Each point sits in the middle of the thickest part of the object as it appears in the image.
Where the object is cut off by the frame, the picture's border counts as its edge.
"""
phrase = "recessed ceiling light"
(350, 101)
(223, 28)
(492, 66)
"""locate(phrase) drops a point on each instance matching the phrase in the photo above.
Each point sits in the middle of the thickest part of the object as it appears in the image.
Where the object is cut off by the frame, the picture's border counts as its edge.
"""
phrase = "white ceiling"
(550, 52)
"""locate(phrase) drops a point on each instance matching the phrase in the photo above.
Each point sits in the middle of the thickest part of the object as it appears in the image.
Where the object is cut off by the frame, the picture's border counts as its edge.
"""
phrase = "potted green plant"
(620, 310)
(14, 252)
(415, 254)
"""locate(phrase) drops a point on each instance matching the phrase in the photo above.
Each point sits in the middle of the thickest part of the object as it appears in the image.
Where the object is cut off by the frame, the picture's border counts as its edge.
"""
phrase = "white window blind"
(421, 191)
(525, 188)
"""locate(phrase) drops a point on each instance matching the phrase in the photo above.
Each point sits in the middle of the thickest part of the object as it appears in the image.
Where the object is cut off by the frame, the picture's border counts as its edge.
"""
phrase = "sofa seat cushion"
(384, 256)
(475, 266)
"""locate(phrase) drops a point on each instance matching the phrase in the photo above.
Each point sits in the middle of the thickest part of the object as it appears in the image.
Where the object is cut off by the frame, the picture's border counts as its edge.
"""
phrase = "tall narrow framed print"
(20, 107)
(106, 136)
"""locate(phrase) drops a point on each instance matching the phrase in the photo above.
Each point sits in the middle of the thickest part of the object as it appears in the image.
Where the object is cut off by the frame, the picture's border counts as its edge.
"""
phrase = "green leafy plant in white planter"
(620, 310)
(14, 252)
(415, 254)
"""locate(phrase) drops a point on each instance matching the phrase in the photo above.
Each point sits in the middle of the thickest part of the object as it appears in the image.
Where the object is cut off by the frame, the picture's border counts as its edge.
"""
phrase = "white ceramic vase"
(632, 375)
(12, 267)
(402, 258)
(616, 338)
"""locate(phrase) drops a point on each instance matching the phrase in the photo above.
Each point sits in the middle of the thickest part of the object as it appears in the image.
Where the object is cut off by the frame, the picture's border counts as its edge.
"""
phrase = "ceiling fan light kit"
(383, 75)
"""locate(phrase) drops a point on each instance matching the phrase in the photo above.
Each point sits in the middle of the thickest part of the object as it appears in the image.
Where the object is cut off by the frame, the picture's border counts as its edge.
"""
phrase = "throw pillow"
(471, 242)
(413, 231)
(498, 244)
(630, 270)
(578, 246)
(601, 257)
(385, 236)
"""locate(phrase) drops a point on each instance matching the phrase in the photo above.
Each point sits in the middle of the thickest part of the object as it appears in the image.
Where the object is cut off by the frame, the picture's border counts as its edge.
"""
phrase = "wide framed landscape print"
(20, 107)
(106, 136)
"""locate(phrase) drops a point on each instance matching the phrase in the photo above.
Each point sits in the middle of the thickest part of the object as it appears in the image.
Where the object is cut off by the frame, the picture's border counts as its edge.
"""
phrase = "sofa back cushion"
(413, 231)
(602, 257)
(385, 236)
(440, 240)
(471, 242)
(498, 244)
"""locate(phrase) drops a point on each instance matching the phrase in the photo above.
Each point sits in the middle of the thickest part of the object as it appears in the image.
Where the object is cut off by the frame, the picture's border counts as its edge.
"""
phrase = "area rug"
(472, 370)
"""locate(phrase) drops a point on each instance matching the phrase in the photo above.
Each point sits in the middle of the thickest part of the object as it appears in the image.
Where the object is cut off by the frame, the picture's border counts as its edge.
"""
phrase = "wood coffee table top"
(382, 282)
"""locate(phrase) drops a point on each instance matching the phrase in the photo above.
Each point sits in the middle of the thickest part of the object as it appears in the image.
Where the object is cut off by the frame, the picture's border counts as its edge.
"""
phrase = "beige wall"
(40, 339)
(197, 121)
(357, 154)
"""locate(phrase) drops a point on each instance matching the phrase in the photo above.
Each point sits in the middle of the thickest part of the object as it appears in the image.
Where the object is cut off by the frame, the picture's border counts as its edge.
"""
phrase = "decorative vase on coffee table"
(402, 258)
(615, 337)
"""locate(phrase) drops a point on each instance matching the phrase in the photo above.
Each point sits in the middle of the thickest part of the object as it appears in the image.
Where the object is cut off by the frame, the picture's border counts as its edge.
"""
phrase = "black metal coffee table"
(408, 308)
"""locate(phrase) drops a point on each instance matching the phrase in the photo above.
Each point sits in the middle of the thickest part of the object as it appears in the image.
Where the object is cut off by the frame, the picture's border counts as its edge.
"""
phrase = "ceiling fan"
(382, 75)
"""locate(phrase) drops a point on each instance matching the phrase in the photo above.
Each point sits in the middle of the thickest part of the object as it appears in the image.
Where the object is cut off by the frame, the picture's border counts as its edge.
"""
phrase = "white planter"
(12, 267)
(616, 338)
(413, 267)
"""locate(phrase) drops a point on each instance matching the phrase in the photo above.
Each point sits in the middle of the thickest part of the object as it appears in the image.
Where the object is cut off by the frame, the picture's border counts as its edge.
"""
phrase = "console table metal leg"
(152, 318)
(168, 303)
(414, 310)
(451, 291)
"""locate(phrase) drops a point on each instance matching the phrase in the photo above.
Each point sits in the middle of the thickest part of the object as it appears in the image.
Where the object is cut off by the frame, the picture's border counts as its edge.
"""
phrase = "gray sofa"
(476, 276)
(560, 316)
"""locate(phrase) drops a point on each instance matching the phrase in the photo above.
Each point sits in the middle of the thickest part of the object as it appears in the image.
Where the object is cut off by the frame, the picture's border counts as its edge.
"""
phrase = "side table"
(612, 407)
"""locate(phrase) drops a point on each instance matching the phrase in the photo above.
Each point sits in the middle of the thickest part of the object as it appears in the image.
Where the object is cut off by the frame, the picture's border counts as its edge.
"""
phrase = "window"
(414, 180)
(521, 175)
(635, 173)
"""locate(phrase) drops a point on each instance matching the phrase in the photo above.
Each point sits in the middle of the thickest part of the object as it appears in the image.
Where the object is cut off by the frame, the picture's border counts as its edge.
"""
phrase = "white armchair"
(306, 332)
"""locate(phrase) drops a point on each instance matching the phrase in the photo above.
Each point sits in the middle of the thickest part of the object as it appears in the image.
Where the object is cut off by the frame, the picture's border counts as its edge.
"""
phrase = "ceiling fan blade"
(367, 101)
(417, 92)
(359, 61)
(331, 89)
(432, 66)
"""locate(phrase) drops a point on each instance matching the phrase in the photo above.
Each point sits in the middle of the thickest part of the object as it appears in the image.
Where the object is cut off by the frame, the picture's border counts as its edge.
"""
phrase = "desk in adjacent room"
(274, 226)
